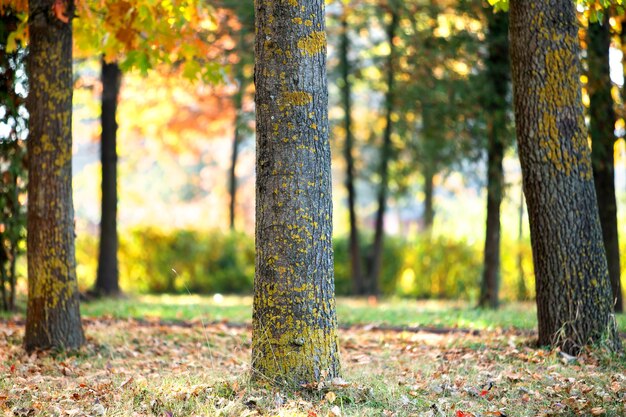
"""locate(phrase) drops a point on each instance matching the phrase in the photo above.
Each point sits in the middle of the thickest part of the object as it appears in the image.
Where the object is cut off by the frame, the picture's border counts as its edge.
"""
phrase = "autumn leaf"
(59, 8)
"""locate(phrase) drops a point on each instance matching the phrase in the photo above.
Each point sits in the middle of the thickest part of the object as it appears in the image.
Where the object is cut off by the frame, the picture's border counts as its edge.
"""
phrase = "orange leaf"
(59, 8)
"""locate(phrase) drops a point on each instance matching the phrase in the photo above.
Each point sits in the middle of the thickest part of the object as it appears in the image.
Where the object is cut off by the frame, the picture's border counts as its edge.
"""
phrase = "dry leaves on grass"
(148, 368)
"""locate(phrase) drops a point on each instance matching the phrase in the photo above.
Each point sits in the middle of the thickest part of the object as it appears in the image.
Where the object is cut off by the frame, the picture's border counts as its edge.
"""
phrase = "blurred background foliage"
(185, 261)
(178, 129)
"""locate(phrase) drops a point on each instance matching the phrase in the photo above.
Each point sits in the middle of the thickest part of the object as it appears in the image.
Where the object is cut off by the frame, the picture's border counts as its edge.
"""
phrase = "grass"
(169, 368)
(393, 312)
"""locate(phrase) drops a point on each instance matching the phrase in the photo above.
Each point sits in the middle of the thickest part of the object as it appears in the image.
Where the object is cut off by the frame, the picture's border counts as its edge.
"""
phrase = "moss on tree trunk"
(294, 322)
(53, 316)
(574, 304)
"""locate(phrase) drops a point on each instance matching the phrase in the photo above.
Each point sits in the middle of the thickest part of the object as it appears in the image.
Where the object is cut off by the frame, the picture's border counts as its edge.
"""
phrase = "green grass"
(393, 312)
(135, 368)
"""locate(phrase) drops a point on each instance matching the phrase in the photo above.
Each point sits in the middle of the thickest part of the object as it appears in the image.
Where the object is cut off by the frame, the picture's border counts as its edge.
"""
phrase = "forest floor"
(188, 366)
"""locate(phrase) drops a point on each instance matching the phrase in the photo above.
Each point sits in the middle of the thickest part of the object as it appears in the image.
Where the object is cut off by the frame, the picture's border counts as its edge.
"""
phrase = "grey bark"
(574, 306)
(294, 321)
(53, 316)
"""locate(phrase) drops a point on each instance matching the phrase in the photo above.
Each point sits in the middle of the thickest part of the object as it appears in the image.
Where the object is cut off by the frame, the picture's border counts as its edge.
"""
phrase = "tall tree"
(53, 316)
(346, 99)
(376, 256)
(237, 104)
(574, 305)
(601, 129)
(497, 72)
(294, 336)
(107, 280)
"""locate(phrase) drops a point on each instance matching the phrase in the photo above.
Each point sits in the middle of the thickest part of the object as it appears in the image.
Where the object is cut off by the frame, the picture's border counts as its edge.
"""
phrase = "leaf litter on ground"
(151, 368)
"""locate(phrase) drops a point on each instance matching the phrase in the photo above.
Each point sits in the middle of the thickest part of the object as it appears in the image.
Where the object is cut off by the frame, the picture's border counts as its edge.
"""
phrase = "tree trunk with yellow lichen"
(574, 305)
(53, 316)
(601, 129)
(294, 337)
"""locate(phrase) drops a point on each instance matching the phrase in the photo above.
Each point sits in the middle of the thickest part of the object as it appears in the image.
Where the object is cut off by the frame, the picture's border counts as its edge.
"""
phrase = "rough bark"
(346, 98)
(53, 316)
(496, 106)
(602, 131)
(107, 280)
(574, 306)
(294, 337)
(376, 259)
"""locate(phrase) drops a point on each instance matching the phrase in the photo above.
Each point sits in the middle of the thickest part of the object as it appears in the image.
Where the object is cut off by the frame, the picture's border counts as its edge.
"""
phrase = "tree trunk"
(522, 290)
(107, 281)
(237, 104)
(346, 97)
(294, 338)
(496, 108)
(574, 304)
(376, 258)
(53, 316)
(429, 198)
(601, 129)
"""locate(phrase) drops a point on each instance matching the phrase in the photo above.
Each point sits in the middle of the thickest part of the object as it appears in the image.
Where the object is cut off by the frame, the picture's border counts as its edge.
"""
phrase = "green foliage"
(179, 261)
(203, 262)
(441, 268)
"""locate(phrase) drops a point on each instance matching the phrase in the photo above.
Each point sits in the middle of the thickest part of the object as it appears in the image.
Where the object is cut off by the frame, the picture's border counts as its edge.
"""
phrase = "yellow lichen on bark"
(312, 44)
(557, 117)
(295, 98)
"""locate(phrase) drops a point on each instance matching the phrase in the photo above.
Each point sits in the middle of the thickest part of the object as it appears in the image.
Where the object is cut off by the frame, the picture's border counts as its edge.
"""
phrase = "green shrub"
(158, 261)
(178, 261)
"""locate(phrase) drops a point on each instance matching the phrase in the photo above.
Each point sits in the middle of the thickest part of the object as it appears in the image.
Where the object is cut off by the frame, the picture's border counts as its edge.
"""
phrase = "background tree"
(107, 279)
(574, 305)
(345, 83)
(294, 337)
(496, 106)
(601, 129)
(53, 316)
(376, 255)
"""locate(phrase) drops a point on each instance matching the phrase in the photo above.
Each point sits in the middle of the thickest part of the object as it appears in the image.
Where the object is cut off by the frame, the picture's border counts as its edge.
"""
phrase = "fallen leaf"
(335, 411)
(597, 411)
(330, 397)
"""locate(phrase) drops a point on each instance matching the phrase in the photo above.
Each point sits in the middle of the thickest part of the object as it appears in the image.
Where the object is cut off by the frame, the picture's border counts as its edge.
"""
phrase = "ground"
(198, 366)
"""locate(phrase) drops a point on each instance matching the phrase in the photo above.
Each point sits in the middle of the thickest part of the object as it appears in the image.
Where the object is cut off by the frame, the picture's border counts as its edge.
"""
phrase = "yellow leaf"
(330, 397)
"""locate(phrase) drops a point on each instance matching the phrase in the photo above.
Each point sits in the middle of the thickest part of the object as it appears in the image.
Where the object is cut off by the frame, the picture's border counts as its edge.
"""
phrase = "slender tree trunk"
(53, 316)
(294, 336)
(601, 130)
(496, 107)
(107, 281)
(237, 104)
(379, 233)
(574, 305)
(429, 198)
(522, 290)
(3, 279)
(346, 97)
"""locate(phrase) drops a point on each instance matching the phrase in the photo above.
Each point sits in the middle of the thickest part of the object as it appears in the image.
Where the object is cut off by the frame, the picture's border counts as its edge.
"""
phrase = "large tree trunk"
(107, 281)
(376, 258)
(346, 98)
(601, 130)
(53, 316)
(574, 305)
(496, 108)
(294, 338)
